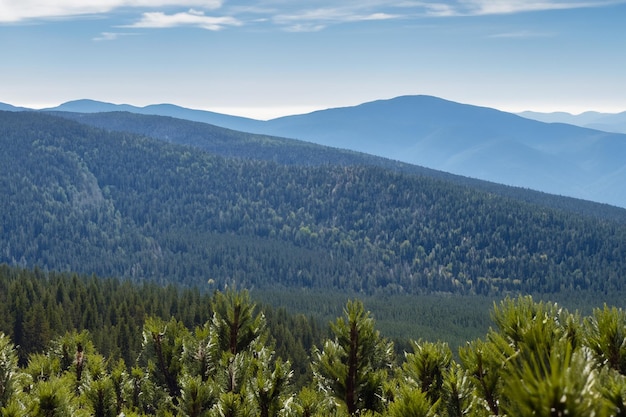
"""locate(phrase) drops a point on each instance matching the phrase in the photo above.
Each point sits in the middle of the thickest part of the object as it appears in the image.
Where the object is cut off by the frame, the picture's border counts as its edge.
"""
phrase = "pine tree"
(605, 334)
(354, 366)
(101, 398)
(410, 402)
(562, 384)
(426, 367)
(9, 371)
(197, 397)
(162, 352)
(52, 398)
(483, 362)
(235, 321)
(269, 384)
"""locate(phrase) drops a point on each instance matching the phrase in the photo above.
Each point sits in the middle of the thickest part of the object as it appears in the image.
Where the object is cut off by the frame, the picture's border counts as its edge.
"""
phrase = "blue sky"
(264, 58)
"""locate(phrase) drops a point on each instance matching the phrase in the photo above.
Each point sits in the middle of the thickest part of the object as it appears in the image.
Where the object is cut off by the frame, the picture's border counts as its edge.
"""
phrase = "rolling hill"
(467, 140)
(608, 122)
(93, 200)
(92, 106)
(473, 141)
(231, 143)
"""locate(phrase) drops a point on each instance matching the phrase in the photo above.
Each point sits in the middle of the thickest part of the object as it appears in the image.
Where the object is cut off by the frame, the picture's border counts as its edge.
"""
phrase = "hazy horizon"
(261, 113)
(269, 58)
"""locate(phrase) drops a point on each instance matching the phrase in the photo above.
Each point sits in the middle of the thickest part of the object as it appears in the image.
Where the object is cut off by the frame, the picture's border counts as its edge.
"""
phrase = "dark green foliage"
(8, 370)
(235, 321)
(230, 143)
(606, 337)
(537, 361)
(117, 204)
(426, 367)
(354, 366)
(101, 398)
(120, 310)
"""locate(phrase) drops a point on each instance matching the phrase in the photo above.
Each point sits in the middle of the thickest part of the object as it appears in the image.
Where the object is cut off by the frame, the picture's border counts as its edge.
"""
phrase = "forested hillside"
(116, 204)
(222, 355)
(36, 307)
(468, 140)
(230, 143)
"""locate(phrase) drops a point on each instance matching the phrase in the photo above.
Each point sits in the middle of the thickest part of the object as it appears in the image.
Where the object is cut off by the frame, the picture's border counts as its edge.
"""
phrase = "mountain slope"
(461, 139)
(218, 119)
(230, 143)
(9, 107)
(110, 203)
(471, 141)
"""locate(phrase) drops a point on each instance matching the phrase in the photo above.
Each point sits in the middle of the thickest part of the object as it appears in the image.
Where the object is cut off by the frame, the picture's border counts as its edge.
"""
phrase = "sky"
(268, 58)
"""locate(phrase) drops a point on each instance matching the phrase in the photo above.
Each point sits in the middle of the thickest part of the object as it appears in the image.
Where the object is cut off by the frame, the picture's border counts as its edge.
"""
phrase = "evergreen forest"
(154, 266)
(179, 353)
(92, 201)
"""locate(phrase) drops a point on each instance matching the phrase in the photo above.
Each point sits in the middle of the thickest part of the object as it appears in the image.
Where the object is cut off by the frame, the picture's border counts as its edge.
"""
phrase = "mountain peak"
(91, 106)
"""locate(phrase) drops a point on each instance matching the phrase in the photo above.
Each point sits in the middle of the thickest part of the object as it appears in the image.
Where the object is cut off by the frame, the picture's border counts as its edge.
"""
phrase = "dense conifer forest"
(86, 200)
(234, 144)
(142, 277)
(103, 347)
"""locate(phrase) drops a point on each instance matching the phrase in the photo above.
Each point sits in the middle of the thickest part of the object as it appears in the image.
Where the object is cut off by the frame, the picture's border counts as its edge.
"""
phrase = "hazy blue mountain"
(609, 122)
(9, 107)
(93, 106)
(472, 141)
(231, 143)
(461, 139)
(115, 203)
(218, 119)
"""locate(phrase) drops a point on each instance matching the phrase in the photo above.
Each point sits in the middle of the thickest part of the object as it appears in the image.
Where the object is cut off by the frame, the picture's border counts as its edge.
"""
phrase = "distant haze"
(263, 59)
(472, 141)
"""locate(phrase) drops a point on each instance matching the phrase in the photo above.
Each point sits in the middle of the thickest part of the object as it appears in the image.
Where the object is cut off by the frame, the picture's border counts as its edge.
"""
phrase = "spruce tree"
(354, 366)
(9, 371)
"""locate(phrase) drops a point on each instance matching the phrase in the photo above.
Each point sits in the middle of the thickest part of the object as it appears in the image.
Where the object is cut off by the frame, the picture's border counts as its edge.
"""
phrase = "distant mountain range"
(8, 107)
(462, 139)
(473, 141)
(608, 122)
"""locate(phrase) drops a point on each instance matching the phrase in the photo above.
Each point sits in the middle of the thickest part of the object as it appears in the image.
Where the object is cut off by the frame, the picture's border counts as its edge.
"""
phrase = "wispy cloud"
(487, 7)
(191, 18)
(111, 36)
(311, 15)
(328, 13)
(317, 19)
(522, 34)
(19, 10)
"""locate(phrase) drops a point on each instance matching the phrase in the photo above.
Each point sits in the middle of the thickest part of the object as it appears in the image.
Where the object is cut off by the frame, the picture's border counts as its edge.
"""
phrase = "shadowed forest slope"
(87, 200)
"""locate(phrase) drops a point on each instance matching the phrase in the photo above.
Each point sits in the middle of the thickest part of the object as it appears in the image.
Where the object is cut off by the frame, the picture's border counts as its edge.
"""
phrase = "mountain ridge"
(231, 143)
(458, 138)
(115, 203)
(608, 122)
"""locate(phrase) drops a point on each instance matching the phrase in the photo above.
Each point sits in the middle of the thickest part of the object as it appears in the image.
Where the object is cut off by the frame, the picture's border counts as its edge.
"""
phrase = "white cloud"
(111, 36)
(326, 13)
(486, 7)
(317, 19)
(18, 10)
(375, 16)
(303, 27)
(191, 18)
(522, 34)
(290, 14)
